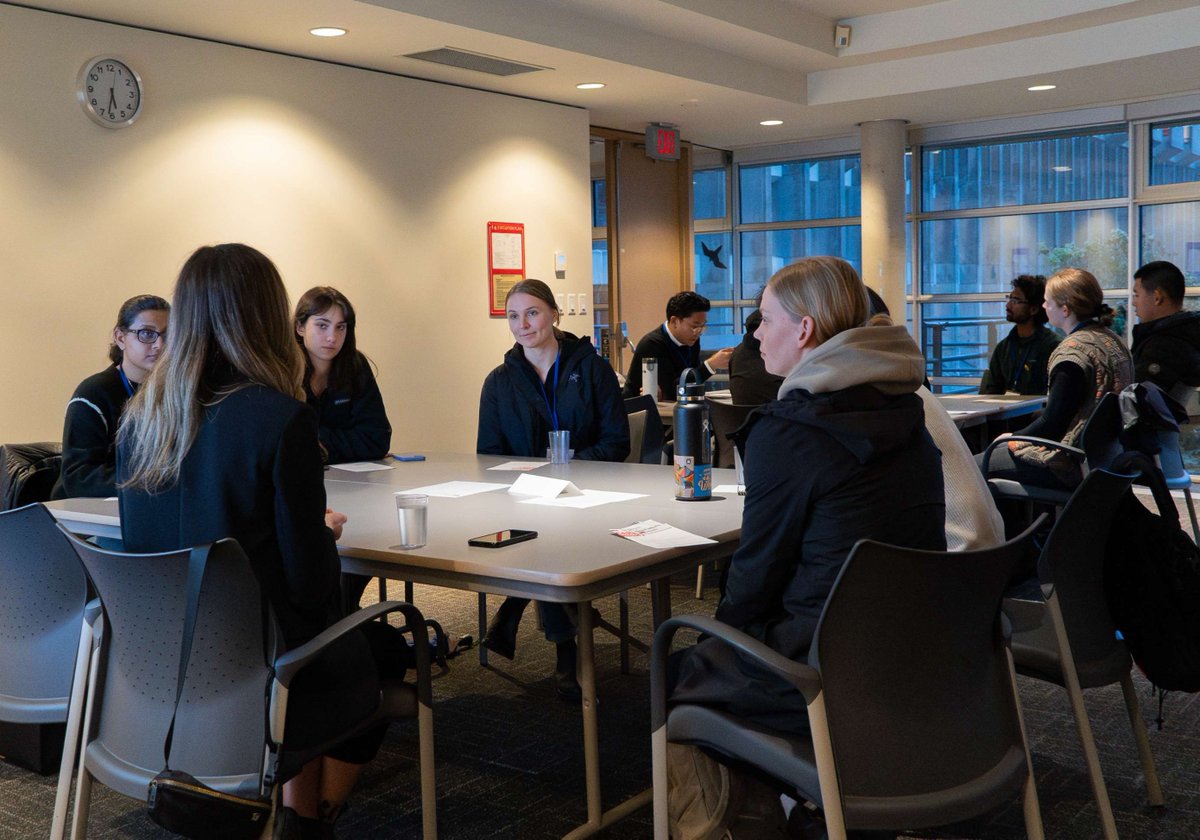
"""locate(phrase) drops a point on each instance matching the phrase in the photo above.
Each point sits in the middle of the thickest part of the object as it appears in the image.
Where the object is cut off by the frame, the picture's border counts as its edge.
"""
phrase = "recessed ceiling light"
(1036, 88)
(771, 122)
(590, 85)
(327, 31)
(1061, 168)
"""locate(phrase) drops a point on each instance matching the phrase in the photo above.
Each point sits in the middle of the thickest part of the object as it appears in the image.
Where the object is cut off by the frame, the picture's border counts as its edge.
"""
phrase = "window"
(800, 190)
(1174, 153)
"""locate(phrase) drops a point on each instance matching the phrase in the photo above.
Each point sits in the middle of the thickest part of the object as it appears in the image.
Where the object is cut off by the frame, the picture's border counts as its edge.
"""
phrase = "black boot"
(291, 826)
(501, 638)
(564, 671)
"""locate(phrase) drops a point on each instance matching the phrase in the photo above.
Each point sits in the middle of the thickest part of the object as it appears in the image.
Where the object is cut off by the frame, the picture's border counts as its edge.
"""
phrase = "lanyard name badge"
(552, 407)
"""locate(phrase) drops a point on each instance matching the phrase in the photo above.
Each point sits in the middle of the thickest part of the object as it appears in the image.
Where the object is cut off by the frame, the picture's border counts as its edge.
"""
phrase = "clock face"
(111, 93)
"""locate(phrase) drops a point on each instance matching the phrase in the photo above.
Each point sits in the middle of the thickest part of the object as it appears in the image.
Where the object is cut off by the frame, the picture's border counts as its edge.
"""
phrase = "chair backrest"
(910, 644)
(28, 472)
(220, 731)
(42, 594)
(726, 419)
(1101, 438)
(637, 433)
(653, 439)
(1072, 562)
(1170, 458)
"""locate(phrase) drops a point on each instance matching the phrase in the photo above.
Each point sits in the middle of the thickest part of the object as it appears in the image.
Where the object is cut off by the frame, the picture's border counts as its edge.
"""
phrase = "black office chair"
(726, 419)
(28, 472)
(1070, 638)
(913, 708)
(654, 438)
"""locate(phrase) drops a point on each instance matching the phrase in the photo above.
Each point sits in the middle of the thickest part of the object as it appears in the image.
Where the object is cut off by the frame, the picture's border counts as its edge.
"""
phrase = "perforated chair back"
(28, 472)
(220, 731)
(910, 643)
(637, 434)
(1072, 566)
(1101, 439)
(42, 595)
(726, 418)
(654, 438)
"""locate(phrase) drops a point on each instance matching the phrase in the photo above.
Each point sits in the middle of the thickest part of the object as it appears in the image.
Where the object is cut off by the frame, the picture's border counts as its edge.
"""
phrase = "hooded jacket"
(515, 418)
(842, 455)
(1166, 351)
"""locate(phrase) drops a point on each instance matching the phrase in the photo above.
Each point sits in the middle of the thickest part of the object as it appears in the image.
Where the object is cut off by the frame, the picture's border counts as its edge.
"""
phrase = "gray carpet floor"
(510, 756)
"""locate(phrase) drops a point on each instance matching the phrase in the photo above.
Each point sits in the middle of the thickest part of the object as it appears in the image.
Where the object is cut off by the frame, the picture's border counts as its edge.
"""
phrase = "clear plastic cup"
(412, 512)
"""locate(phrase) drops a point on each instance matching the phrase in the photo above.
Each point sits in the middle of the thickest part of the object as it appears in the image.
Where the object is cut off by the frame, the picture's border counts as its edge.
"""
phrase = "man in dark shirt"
(1020, 360)
(1166, 344)
(676, 345)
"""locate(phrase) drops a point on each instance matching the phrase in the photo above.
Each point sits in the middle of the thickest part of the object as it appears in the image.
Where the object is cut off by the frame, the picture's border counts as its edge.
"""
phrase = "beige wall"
(381, 186)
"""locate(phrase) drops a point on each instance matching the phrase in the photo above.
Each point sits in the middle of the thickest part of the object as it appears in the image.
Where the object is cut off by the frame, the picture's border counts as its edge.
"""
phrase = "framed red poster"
(506, 260)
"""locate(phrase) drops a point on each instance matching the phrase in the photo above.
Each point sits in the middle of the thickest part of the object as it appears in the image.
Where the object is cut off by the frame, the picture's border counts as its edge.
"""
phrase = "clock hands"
(112, 102)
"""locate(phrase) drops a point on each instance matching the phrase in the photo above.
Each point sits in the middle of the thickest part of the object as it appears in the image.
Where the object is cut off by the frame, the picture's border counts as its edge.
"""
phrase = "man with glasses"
(1166, 344)
(676, 345)
(1020, 360)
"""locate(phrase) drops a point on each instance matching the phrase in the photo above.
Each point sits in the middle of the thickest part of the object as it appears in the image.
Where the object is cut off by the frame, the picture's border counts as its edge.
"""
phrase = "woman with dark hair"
(89, 462)
(338, 382)
(550, 380)
(218, 443)
(1090, 362)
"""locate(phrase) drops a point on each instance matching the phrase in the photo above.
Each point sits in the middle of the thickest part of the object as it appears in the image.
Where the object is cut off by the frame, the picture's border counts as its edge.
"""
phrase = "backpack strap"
(195, 577)
(1149, 475)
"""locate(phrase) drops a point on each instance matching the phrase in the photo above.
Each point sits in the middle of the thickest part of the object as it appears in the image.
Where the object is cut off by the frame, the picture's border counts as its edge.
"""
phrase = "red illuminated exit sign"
(662, 142)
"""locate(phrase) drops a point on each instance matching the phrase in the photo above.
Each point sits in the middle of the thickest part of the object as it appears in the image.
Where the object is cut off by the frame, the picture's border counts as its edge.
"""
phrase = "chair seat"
(1035, 653)
(33, 709)
(1007, 488)
(1179, 482)
(792, 761)
(132, 780)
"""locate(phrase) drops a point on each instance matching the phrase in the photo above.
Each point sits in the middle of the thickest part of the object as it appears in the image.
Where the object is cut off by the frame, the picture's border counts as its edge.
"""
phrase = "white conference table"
(574, 559)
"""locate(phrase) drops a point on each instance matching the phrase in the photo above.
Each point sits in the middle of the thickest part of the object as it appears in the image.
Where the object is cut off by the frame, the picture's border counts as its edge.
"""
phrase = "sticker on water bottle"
(692, 480)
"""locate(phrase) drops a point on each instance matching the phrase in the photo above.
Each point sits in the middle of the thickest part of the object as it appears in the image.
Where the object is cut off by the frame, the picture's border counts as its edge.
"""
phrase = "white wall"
(379, 185)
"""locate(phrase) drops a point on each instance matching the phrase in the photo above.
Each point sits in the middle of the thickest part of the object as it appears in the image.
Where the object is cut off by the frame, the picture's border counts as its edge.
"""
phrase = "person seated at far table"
(1020, 361)
(1166, 344)
(549, 381)
(1090, 362)
(749, 381)
(848, 404)
(89, 464)
(675, 343)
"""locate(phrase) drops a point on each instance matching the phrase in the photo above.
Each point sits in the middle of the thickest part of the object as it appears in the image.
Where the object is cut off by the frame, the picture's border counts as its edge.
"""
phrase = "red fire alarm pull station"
(662, 142)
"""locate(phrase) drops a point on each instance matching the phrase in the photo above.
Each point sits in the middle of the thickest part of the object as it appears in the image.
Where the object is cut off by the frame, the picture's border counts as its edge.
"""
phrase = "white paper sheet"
(542, 487)
(660, 535)
(586, 499)
(457, 489)
(360, 466)
(731, 489)
(519, 466)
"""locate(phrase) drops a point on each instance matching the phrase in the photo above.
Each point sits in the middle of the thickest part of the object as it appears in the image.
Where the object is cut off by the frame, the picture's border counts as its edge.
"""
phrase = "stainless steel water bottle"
(693, 441)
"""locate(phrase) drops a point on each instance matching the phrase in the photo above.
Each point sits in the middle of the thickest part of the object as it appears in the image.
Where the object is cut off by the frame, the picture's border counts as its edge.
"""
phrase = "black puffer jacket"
(1166, 351)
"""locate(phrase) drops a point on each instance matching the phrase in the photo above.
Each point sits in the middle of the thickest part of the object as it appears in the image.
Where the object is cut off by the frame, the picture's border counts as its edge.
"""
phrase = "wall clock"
(110, 92)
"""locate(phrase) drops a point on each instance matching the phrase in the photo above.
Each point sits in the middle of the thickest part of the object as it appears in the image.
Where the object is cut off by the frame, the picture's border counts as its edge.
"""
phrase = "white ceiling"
(717, 67)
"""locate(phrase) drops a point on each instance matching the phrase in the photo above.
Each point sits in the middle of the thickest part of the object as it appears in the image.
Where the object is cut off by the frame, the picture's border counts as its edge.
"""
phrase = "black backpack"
(1152, 583)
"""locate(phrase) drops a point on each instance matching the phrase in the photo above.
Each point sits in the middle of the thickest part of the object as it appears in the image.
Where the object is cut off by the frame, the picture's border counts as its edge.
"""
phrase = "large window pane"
(800, 190)
(963, 256)
(708, 194)
(599, 203)
(765, 252)
(713, 261)
(1172, 232)
(1175, 153)
(957, 338)
(599, 287)
(720, 327)
(1079, 167)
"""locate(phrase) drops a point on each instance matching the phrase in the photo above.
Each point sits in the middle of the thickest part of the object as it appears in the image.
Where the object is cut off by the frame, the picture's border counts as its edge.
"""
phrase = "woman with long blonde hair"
(219, 443)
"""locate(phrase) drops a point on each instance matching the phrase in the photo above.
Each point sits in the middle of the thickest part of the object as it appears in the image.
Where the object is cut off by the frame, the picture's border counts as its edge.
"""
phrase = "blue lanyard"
(552, 407)
(1019, 366)
(125, 381)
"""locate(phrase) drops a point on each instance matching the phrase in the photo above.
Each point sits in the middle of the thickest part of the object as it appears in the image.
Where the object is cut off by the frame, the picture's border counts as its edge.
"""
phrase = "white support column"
(883, 259)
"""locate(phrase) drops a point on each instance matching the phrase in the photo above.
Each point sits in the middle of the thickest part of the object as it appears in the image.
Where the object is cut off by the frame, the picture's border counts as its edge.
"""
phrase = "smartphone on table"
(498, 539)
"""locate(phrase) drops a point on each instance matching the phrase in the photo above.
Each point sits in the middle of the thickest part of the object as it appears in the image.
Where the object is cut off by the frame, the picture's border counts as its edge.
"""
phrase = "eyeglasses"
(1015, 299)
(147, 335)
(695, 328)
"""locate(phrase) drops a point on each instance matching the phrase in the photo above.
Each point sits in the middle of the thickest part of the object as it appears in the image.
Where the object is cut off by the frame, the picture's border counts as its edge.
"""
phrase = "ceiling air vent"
(475, 61)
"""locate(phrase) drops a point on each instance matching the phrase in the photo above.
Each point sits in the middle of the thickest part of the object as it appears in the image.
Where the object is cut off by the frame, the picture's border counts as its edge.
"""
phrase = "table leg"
(624, 622)
(660, 600)
(483, 654)
(591, 738)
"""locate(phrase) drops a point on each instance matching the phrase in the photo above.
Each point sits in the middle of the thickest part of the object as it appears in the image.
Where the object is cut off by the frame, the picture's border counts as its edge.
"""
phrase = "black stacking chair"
(1070, 638)
(653, 439)
(28, 472)
(231, 721)
(726, 418)
(914, 714)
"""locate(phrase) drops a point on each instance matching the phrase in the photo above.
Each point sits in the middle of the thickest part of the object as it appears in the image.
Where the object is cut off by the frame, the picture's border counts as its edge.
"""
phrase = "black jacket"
(673, 360)
(353, 425)
(253, 473)
(1166, 351)
(514, 418)
(89, 465)
(1020, 364)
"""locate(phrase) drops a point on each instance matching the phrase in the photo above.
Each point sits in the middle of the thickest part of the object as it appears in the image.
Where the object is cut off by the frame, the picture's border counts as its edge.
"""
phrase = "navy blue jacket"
(514, 418)
(353, 425)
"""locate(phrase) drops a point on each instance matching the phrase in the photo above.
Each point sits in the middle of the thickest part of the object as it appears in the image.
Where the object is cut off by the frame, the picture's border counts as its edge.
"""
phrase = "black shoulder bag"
(178, 801)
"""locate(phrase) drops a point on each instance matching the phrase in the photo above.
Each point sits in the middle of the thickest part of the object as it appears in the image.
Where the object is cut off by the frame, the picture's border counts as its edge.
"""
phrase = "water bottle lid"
(691, 392)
